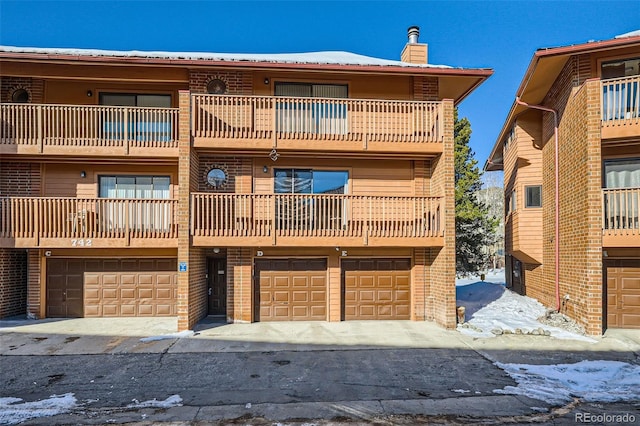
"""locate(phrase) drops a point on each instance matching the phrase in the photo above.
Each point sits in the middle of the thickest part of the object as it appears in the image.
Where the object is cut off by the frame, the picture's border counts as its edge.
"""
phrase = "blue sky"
(502, 35)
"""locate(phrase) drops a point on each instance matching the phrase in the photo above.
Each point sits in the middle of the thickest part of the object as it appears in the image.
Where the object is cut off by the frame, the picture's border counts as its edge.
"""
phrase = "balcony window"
(620, 96)
(309, 211)
(142, 125)
(326, 115)
(146, 214)
(621, 194)
(533, 196)
(135, 187)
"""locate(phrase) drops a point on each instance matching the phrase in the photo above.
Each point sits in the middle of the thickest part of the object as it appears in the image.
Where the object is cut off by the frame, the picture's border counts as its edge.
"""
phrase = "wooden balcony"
(87, 222)
(317, 124)
(620, 108)
(621, 227)
(88, 130)
(315, 220)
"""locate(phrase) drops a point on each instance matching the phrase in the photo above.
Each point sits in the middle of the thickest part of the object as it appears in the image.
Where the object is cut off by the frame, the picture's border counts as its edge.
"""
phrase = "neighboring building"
(595, 246)
(313, 186)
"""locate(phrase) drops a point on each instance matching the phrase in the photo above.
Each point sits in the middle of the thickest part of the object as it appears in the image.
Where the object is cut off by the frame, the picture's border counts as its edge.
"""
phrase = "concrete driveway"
(384, 372)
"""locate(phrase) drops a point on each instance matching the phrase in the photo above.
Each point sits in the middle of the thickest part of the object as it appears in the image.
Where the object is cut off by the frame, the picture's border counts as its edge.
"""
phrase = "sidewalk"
(156, 335)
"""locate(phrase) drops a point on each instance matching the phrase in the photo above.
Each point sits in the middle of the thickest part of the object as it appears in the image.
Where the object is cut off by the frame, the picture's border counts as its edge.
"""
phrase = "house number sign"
(81, 243)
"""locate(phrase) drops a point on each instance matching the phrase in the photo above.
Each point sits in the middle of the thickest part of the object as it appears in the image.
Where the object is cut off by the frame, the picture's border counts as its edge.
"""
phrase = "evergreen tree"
(474, 228)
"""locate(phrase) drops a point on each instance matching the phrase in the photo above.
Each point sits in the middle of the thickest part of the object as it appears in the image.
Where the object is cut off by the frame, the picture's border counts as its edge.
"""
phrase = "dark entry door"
(65, 280)
(217, 283)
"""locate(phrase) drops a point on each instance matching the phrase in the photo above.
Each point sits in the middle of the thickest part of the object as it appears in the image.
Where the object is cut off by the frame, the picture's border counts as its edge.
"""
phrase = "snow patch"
(630, 34)
(12, 412)
(592, 381)
(186, 333)
(491, 307)
(326, 57)
(172, 401)
(460, 391)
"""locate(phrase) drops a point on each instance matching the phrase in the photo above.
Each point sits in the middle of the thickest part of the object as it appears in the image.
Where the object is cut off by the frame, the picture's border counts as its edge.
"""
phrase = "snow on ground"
(12, 411)
(186, 333)
(591, 381)
(172, 401)
(490, 306)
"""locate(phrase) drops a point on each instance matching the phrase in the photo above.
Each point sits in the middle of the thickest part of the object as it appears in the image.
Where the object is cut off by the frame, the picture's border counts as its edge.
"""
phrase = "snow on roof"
(329, 57)
(630, 34)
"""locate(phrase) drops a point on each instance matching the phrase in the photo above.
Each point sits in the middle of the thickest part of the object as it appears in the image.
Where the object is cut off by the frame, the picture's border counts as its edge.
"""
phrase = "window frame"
(526, 197)
(120, 176)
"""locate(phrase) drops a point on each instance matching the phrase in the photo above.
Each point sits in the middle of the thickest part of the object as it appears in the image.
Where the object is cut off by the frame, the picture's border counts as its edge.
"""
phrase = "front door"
(217, 286)
(65, 281)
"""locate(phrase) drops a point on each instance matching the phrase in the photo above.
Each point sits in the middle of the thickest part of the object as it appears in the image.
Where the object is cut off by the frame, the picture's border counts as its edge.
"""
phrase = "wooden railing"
(620, 209)
(314, 215)
(43, 125)
(269, 117)
(87, 218)
(620, 104)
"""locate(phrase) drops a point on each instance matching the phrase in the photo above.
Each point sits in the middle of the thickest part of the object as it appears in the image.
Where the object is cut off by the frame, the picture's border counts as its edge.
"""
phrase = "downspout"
(557, 190)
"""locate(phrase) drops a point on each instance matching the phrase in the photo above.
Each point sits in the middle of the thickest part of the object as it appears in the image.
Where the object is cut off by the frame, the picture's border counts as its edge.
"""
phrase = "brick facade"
(33, 86)
(13, 282)
(20, 179)
(238, 82)
(443, 260)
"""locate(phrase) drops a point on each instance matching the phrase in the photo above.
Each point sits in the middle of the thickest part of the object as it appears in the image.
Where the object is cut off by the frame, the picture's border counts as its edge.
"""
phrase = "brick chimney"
(414, 52)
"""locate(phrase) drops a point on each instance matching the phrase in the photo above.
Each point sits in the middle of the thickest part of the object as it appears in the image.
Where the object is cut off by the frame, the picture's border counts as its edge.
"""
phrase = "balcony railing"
(56, 128)
(310, 217)
(621, 214)
(620, 101)
(86, 220)
(272, 119)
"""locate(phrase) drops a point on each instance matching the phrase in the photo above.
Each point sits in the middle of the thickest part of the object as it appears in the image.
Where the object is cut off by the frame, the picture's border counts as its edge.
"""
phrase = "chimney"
(414, 52)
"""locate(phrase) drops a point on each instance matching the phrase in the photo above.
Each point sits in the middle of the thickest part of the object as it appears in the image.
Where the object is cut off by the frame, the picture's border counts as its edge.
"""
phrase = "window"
(307, 210)
(134, 187)
(533, 196)
(216, 177)
(144, 125)
(20, 96)
(301, 181)
(620, 97)
(325, 117)
(621, 200)
(512, 202)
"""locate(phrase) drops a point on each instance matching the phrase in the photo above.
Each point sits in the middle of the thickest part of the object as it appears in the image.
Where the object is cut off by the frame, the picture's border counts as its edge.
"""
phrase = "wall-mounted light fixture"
(265, 169)
(216, 250)
(89, 93)
(83, 174)
(266, 80)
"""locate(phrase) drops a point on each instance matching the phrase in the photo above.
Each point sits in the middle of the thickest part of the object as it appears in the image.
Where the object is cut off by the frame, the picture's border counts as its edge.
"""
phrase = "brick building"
(572, 236)
(311, 186)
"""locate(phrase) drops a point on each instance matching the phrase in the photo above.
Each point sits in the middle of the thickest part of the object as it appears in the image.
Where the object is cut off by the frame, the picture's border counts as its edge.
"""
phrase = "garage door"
(111, 287)
(290, 290)
(376, 289)
(623, 294)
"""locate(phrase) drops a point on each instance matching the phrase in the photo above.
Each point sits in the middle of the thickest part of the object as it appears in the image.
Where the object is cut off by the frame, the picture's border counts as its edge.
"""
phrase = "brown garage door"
(111, 287)
(290, 290)
(376, 289)
(623, 294)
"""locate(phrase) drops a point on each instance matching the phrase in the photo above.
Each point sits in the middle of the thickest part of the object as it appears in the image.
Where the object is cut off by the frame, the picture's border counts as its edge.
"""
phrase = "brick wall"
(33, 86)
(185, 180)
(425, 89)
(34, 297)
(13, 282)
(238, 170)
(240, 290)
(238, 82)
(443, 264)
(580, 255)
(19, 179)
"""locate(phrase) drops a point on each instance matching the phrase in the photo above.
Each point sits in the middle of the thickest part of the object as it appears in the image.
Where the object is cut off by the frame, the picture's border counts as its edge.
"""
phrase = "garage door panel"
(290, 289)
(376, 289)
(623, 294)
(112, 287)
